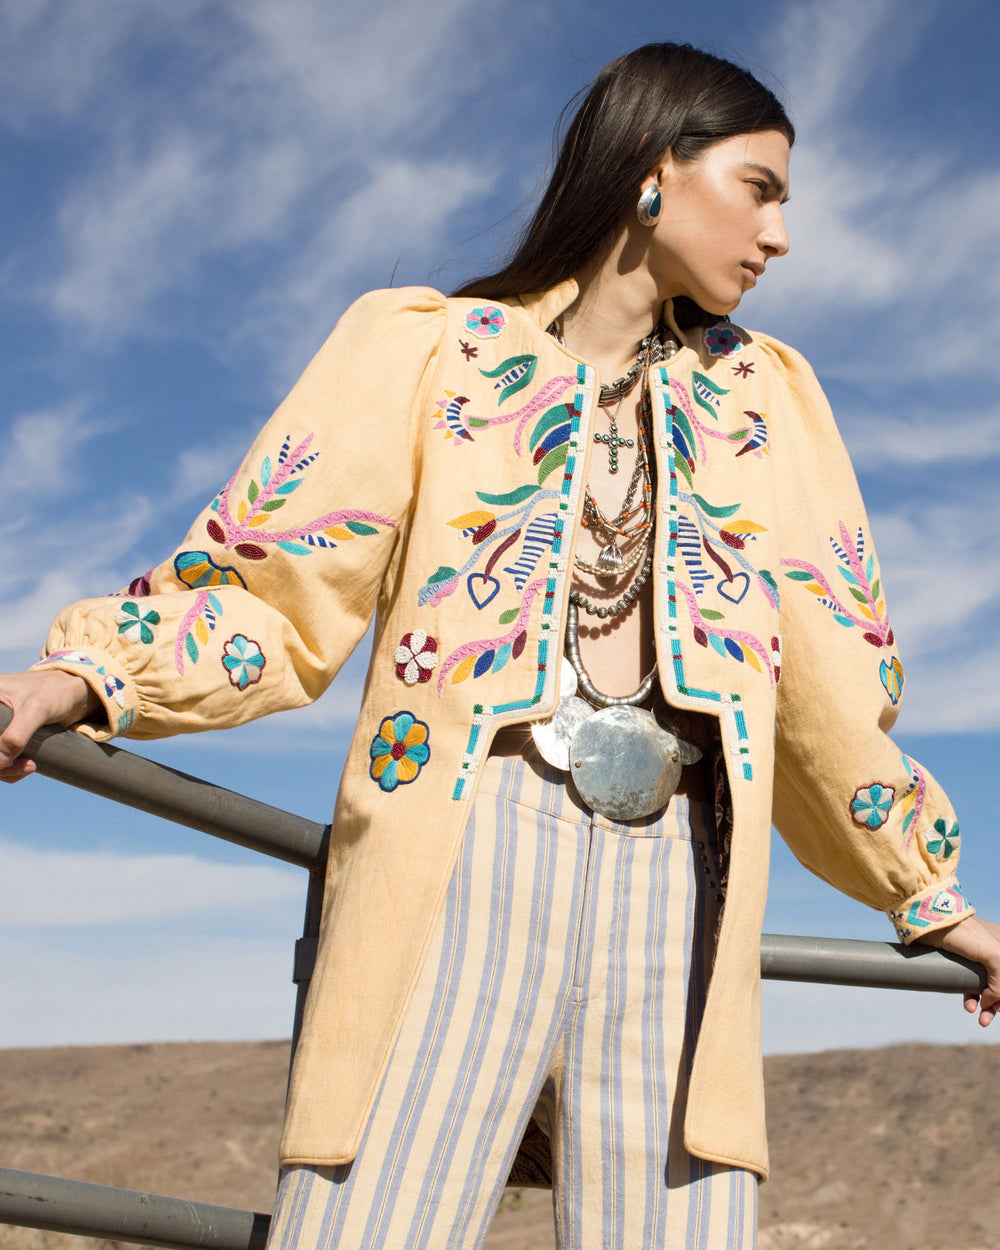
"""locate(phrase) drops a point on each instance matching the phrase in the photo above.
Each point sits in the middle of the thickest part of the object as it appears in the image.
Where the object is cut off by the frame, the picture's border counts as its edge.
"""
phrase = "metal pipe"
(885, 965)
(127, 778)
(64, 1206)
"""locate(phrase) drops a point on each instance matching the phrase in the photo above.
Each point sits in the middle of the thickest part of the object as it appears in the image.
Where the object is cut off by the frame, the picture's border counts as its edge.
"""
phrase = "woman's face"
(721, 219)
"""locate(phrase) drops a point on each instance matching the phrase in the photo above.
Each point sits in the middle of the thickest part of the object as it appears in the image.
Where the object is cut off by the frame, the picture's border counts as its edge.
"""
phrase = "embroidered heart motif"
(734, 588)
(482, 589)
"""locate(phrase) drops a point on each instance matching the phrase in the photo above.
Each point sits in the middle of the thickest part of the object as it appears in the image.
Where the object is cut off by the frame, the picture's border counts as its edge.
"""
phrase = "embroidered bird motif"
(756, 436)
(452, 422)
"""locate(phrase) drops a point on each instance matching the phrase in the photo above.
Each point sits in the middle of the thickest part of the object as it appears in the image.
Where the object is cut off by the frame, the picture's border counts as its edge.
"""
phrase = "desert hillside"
(895, 1149)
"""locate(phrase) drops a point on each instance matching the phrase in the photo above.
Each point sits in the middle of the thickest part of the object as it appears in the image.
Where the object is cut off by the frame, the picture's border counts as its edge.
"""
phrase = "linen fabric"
(454, 518)
(565, 979)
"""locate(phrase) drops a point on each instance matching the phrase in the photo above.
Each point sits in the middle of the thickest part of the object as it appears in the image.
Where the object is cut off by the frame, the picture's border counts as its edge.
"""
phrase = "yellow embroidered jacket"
(454, 520)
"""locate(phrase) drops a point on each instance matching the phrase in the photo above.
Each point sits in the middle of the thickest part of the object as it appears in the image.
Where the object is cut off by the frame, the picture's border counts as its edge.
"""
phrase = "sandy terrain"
(894, 1149)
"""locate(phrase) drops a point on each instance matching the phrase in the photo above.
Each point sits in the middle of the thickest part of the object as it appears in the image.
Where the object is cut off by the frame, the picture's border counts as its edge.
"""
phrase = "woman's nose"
(774, 238)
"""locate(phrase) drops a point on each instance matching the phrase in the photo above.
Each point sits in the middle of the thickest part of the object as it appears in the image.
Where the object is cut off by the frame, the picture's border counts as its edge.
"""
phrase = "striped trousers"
(566, 981)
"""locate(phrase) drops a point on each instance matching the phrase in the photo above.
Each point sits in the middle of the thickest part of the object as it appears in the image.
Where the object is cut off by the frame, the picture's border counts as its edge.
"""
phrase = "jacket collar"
(544, 306)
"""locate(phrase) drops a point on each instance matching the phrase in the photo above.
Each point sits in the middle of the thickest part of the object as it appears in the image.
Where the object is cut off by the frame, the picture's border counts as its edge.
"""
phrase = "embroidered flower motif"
(134, 625)
(243, 660)
(113, 687)
(892, 679)
(485, 322)
(870, 805)
(722, 340)
(399, 750)
(943, 840)
(416, 657)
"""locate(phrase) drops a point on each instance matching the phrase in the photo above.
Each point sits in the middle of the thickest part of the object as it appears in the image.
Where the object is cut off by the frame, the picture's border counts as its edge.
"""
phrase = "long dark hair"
(661, 97)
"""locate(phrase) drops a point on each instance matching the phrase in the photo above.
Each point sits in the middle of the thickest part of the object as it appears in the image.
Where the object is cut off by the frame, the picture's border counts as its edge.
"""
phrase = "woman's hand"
(36, 699)
(979, 941)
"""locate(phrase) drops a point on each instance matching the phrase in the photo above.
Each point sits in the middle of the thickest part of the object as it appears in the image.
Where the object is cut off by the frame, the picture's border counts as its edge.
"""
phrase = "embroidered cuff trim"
(934, 908)
(113, 688)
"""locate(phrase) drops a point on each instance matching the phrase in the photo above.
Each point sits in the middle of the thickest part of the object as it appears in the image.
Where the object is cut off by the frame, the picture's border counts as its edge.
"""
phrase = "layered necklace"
(622, 761)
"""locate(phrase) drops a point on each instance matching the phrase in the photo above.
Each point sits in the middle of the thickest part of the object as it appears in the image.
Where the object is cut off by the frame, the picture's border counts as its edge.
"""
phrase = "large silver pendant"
(622, 762)
(552, 737)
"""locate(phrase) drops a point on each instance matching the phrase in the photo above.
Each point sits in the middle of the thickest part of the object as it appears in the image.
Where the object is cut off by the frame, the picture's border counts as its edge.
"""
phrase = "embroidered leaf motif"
(710, 614)
(725, 511)
(682, 426)
(706, 393)
(265, 470)
(272, 505)
(472, 520)
(555, 438)
(510, 499)
(684, 468)
(507, 617)
(286, 488)
(252, 491)
(514, 373)
(547, 421)
(554, 460)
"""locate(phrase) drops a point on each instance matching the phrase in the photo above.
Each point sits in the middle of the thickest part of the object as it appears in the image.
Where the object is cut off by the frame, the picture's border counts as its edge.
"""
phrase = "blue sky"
(194, 192)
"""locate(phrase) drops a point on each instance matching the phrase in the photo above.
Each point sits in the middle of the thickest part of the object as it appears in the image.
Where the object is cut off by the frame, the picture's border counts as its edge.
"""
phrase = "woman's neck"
(614, 311)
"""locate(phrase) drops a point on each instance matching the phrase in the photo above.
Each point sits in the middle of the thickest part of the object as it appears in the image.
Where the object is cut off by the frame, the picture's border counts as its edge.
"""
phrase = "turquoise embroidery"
(198, 570)
(512, 374)
(399, 751)
(722, 339)
(243, 661)
(239, 526)
(891, 675)
(871, 805)
(715, 532)
(486, 321)
(197, 623)
(944, 839)
(868, 610)
(932, 908)
(135, 625)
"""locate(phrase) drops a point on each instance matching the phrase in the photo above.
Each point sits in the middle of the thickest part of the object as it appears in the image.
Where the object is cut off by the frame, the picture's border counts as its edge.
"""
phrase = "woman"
(553, 935)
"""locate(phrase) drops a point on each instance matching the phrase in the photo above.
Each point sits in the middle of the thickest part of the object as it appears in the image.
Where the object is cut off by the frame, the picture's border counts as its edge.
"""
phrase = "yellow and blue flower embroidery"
(399, 751)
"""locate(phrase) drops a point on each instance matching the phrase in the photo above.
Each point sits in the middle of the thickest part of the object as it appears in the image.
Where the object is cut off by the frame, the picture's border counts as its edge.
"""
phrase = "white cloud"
(253, 153)
(885, 227)
(70, 889)
(40, 449)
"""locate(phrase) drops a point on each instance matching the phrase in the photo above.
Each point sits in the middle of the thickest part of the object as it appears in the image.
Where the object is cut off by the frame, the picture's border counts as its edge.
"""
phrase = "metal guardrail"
(57, 1204)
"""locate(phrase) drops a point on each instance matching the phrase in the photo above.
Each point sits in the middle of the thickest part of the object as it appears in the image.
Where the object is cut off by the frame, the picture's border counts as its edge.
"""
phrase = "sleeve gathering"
(277, 579)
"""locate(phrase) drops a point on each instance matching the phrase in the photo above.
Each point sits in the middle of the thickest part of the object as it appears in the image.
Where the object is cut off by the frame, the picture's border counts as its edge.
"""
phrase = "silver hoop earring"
(648, 208)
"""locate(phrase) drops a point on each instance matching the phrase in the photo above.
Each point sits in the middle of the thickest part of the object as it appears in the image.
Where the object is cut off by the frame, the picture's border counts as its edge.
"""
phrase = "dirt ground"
(890, 1149)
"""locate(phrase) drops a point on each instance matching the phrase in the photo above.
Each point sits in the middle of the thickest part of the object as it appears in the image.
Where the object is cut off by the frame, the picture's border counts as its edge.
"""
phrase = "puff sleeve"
(278, 578)
(851, 806)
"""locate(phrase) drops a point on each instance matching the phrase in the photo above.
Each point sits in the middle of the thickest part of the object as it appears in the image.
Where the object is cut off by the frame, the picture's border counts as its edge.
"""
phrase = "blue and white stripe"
(566, 978)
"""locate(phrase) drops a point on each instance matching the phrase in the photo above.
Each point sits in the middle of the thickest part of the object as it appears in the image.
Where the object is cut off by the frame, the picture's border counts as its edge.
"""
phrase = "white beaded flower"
(416, 657)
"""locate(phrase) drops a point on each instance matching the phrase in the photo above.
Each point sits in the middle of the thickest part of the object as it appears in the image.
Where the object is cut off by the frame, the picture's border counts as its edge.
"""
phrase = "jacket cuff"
(109, 681)
(935, 907)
